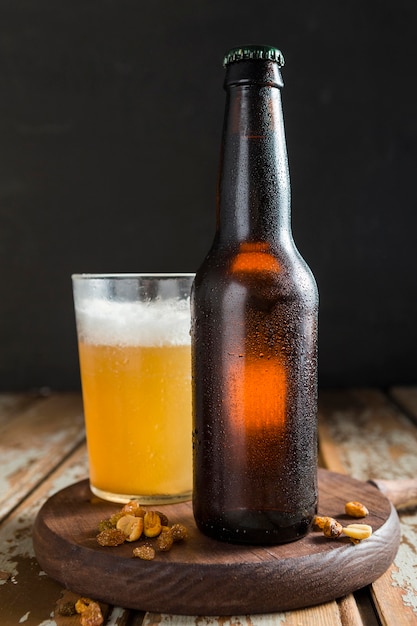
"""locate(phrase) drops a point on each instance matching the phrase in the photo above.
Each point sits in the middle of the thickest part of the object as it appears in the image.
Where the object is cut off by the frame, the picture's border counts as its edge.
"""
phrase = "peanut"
(332, 528)
(90, 612)
(356, 509)
(319, 521)
(357, 531)
(152, 524)
(131, 526)
(132, 522)
(133, 508)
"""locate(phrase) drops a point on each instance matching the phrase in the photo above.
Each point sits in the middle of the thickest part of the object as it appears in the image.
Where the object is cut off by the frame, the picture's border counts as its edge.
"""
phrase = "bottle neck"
(253, 188)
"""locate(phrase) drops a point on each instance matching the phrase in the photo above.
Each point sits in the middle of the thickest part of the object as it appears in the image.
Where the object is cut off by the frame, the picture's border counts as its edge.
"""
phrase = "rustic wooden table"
(366, 433)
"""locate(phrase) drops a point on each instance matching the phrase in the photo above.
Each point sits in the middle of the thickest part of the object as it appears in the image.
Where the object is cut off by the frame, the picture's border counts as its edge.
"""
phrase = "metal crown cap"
(262, 53)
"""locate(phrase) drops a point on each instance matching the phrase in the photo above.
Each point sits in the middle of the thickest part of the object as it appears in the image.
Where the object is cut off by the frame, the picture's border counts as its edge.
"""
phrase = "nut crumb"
(90, 612)
(179, 532)
(111, 537)
(66, 609)
(164, 541)
(145, 552)
(356, 509)
(319, 521)
(133, 522)
(133, 508)
(332, 528)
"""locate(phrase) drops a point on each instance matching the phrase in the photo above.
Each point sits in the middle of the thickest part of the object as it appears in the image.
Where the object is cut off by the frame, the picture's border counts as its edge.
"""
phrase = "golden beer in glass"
(135, 363)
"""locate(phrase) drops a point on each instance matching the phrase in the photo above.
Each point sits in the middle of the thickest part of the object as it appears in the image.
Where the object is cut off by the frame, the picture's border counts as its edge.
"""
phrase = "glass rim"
(130, 275)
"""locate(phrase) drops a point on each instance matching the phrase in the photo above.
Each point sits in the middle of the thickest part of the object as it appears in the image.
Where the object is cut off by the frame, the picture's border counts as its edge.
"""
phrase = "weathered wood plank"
(13, 403)
(322, 615)
(350, 614)
(27, 595)
(406, 397)
(393, 596)
(367, 436)
(361, 420)
(34, 441)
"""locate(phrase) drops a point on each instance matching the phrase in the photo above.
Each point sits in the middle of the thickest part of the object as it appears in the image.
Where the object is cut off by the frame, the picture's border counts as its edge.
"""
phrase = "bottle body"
(254, 341)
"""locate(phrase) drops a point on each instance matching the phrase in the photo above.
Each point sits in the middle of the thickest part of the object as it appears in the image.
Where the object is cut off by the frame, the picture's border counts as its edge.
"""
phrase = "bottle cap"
(263, 53)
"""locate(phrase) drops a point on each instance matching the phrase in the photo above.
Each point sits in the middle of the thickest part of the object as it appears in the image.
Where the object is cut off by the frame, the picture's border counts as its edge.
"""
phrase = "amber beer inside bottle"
(254, 331)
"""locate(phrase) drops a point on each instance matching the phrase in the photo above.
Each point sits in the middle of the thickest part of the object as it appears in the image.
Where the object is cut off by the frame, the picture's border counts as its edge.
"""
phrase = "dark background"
(110, 122)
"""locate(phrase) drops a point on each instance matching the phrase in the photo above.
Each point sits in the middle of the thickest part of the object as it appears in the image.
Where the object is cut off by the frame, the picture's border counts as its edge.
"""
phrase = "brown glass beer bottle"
(254, 330)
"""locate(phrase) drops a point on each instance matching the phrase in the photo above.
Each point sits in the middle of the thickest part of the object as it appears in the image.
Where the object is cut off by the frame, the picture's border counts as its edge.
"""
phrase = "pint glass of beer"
(134, 348)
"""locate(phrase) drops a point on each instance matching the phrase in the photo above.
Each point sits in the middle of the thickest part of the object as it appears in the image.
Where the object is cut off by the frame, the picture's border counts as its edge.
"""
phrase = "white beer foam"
(160, 323)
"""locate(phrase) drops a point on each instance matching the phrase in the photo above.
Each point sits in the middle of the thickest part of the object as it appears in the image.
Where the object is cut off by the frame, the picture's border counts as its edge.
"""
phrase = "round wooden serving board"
(201, 576)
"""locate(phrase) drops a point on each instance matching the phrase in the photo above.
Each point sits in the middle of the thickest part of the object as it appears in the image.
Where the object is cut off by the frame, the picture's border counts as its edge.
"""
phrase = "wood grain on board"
(226, 578)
